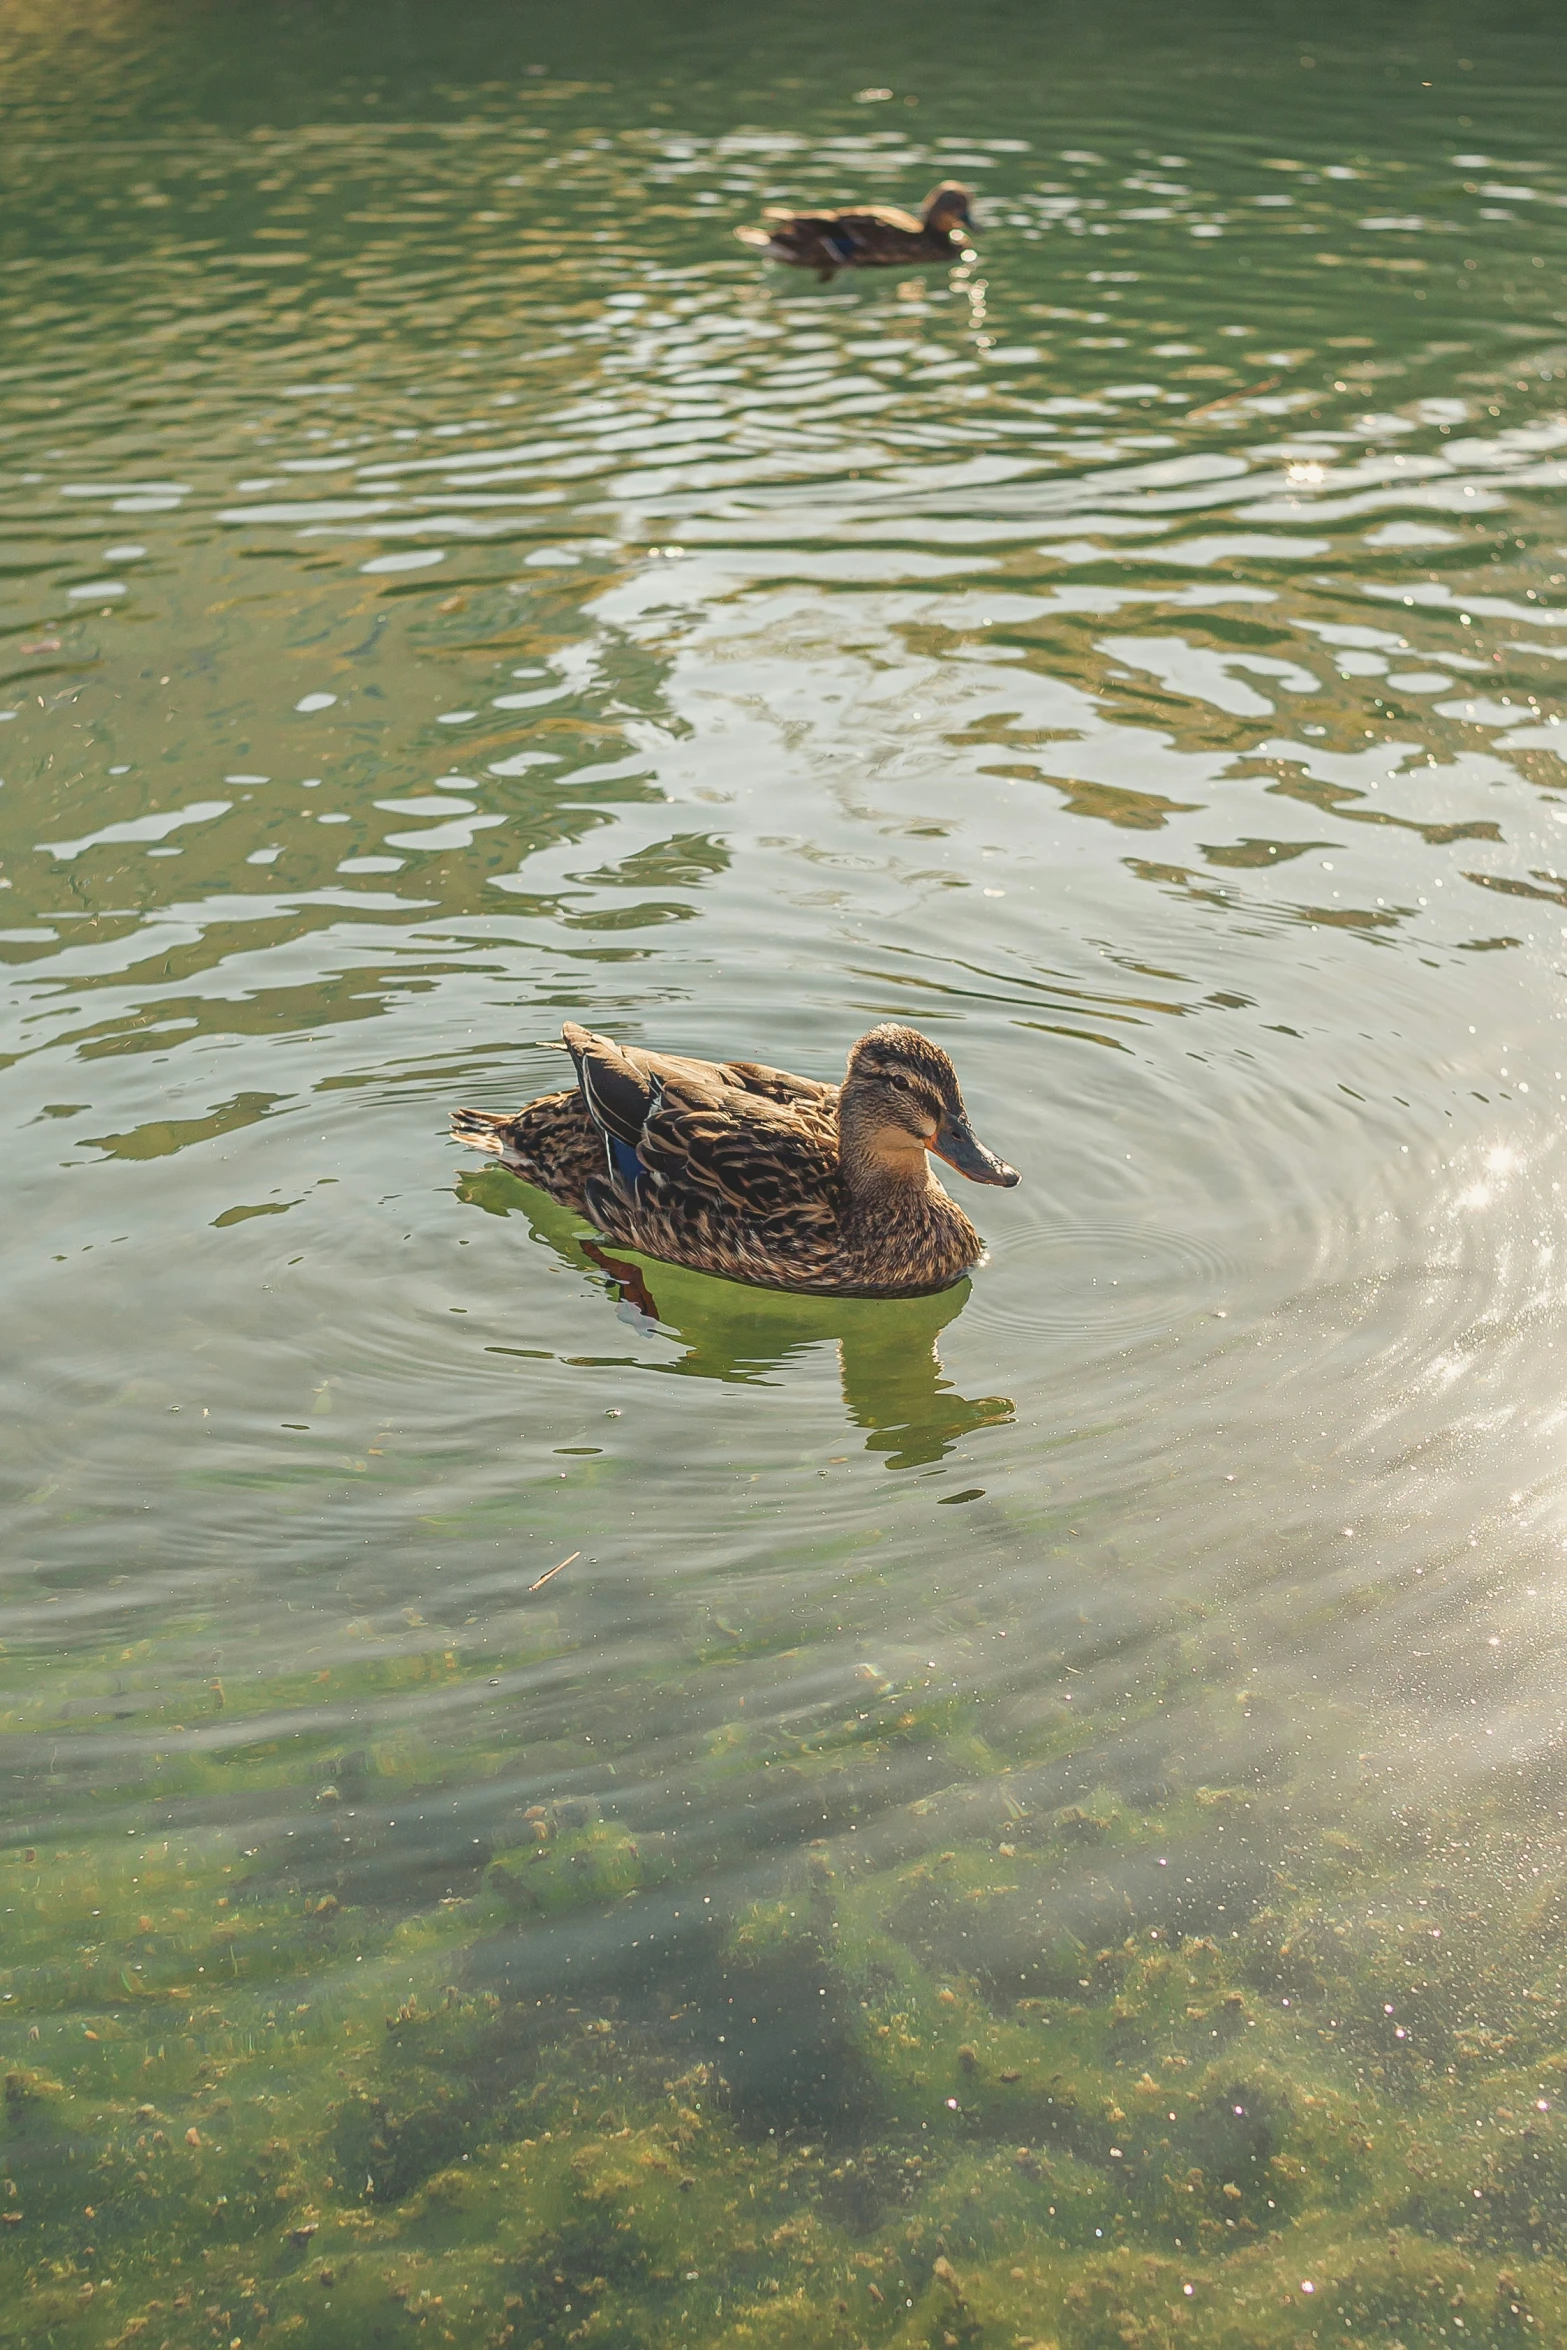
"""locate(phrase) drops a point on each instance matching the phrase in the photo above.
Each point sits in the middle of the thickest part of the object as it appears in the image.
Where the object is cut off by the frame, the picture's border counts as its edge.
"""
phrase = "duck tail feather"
(481, 1130)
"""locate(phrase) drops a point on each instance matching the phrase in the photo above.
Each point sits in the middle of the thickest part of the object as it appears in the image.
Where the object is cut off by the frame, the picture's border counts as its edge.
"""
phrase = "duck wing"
(781, 1085)
(866, 219)
(832, 240)
(694, 1141)
(735, 1153)
(861, 217)
(617, 1091)
(621, 1073)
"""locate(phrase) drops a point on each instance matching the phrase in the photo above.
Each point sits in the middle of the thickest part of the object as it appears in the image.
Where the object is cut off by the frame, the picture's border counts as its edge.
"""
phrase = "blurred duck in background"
(876, 236)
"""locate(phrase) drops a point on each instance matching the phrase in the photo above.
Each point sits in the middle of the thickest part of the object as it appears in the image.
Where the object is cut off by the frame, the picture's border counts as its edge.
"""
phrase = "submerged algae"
(1027, 2058)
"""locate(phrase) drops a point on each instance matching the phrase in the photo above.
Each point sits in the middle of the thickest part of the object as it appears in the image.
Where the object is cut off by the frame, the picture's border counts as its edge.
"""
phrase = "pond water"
(1032, 1816)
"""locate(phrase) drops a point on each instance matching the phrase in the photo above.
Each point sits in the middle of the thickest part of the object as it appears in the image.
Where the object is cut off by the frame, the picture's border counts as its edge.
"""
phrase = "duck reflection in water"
(893, 1383)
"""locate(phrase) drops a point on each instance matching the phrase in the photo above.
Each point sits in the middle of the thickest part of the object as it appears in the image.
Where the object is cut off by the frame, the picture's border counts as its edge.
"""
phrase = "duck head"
(900, 1099)
(947, 208)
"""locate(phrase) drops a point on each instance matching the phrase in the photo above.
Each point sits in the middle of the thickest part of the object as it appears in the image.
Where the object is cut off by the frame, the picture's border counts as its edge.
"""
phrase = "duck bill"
(958, 1144)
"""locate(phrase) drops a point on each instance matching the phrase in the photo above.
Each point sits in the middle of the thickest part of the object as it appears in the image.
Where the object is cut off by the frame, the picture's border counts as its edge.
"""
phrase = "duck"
(754, 1174)
(872, 236)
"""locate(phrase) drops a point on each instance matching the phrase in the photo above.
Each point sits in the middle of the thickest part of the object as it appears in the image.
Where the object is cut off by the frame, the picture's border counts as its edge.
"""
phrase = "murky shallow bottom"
(551, 1799)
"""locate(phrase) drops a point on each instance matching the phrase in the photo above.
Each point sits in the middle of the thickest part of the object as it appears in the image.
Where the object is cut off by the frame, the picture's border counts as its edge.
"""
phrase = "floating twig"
(1226, 399)
(551, 1572)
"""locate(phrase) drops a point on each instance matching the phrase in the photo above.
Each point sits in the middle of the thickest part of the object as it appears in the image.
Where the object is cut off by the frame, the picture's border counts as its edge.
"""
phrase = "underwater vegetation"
(1024, 2056)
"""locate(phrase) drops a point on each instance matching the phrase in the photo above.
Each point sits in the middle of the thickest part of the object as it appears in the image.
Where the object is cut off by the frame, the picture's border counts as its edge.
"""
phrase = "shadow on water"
(889, 1363)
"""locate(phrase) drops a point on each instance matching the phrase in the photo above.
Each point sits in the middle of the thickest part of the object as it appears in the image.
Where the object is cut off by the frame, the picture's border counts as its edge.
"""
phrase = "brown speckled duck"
(748, 1172)
(875, 236)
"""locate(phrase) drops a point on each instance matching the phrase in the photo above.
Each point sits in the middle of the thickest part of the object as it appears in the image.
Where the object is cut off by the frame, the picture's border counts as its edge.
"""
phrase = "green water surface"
(448, 585)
